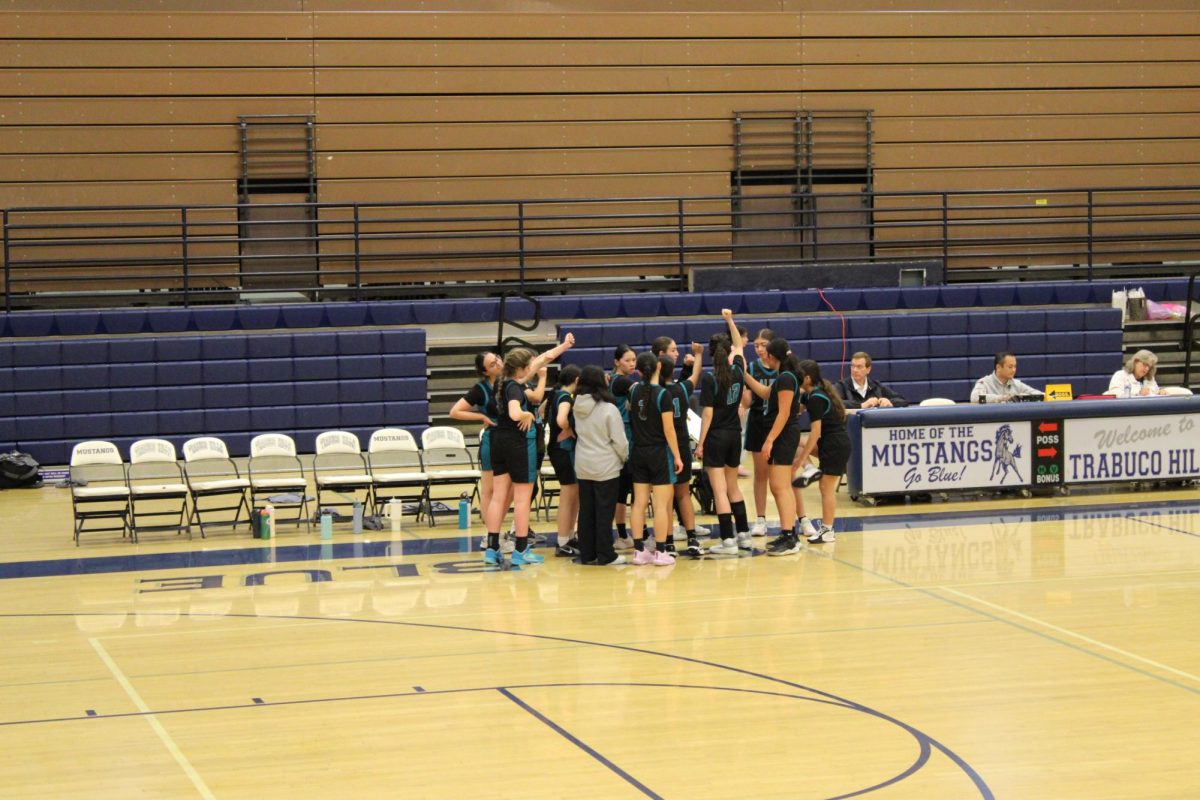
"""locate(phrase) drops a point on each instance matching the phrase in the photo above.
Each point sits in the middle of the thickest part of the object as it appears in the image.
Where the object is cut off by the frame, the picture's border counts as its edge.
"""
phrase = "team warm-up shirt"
(620, 386)
(820, 407)
(785, 381)
(724, 402)
(679, 393)
(646, 417)
(512, 390)
(764, 376)
(560, 397)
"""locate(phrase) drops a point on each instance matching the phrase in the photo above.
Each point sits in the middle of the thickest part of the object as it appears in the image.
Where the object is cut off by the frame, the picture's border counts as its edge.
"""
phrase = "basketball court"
(999, 648)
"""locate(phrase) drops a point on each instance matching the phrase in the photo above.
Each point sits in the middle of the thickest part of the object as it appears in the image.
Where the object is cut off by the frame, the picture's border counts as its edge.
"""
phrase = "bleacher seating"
(234, 385)
(125, 374)
(298, 316)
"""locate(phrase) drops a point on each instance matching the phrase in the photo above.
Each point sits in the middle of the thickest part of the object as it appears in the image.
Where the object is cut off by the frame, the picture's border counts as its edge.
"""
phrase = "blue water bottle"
(464, 512)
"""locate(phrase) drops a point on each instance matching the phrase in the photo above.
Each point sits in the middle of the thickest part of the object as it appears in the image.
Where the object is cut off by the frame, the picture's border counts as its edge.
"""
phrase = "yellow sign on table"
(1059, 391)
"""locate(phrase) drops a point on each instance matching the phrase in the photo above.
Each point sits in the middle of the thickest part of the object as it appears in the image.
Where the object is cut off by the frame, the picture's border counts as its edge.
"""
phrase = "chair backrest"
(937, 401)
(390, 439)
(148, 451)
(207, 456)
(442, 437)
(97, 461)
(153, 459)
(274, 453)
(272, 444)
(442, 445)
(338, 442)
(204, 447)
(95, 452)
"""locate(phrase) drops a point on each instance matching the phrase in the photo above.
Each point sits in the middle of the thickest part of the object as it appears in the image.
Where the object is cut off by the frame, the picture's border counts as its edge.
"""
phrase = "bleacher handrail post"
(357, 257)
(682, 245)
(7, 266)
(183, 239)
(1091, 218)
(521, 245)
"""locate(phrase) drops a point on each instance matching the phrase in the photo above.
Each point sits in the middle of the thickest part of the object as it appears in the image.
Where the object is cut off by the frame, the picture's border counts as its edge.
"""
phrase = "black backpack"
(18, 471)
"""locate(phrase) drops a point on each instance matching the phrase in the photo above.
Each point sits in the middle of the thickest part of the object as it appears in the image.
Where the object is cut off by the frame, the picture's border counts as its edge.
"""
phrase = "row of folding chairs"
(155, 492)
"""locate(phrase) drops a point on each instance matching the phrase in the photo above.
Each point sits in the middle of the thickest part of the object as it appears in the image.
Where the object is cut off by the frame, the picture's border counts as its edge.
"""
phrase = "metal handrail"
(363, 247)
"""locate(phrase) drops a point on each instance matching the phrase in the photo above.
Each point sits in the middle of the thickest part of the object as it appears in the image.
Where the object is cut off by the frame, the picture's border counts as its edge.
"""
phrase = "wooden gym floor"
(1040, 648)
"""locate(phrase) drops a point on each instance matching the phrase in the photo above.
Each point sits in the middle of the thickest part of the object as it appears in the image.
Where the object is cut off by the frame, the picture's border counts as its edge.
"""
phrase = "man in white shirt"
(860, 390)
(1002, 386)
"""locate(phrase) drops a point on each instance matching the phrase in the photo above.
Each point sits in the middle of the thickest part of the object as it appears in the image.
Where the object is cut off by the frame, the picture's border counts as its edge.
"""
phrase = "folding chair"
(339, 467)
(396, 470)
(211, 473)
(155, 477)
(274, 468)
(448, 462)
(98, 464)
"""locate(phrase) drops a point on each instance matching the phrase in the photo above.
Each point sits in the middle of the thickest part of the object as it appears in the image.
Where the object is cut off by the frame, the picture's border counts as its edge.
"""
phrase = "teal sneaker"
(492, 557)
(526, 556)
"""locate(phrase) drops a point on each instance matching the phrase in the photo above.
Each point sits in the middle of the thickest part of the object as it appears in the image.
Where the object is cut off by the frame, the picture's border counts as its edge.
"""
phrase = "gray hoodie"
(600, 444)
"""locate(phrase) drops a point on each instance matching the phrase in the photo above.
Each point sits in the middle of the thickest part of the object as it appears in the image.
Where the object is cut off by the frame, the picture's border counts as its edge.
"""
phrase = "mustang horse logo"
(1004, 458)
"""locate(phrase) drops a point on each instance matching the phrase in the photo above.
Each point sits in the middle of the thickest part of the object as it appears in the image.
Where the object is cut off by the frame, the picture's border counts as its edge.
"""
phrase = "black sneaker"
(568, 550)
(822, 536)
(785, 546)
(693, 549)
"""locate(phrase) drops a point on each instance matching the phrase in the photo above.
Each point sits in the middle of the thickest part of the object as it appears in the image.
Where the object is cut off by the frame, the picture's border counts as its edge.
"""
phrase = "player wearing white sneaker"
(654, 460)
(757, 426)
(720, 447)
(680, 394)
(783, 438)
(828, 438)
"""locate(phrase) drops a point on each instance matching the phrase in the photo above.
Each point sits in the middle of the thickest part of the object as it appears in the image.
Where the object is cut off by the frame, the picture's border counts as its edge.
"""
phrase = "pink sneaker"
(662, 559)
(643, 557)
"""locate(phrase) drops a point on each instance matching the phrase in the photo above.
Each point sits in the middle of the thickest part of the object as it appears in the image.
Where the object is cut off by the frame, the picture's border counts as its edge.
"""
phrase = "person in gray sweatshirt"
(600, 450)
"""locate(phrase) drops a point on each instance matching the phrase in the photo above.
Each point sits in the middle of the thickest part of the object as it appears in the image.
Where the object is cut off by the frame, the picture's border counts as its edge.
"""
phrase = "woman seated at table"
(1136, 379)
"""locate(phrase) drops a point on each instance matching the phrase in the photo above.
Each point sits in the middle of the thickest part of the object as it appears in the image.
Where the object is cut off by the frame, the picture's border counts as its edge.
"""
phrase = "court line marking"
(155, 725)
(928, 743)
(1164, 527)
(925, 743)
(1073, 634)
(575, 740)
(931, 593)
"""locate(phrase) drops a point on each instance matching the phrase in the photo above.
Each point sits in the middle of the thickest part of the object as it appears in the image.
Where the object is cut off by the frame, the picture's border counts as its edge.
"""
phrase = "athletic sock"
(622, 533)
(739, 515)
(691, 534)
(493, 541)
(639, 544)
(522, 543)
(725, 522)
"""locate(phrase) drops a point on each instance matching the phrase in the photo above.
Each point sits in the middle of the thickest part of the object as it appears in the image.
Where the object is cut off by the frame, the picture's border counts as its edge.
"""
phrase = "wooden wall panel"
(137, 102)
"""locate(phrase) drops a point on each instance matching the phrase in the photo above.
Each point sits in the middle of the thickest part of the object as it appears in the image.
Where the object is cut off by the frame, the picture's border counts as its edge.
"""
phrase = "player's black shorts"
(834, 454)
(685, 452)
(652, 464)
(515, 456)
(563, 462)
(722, 448)
(624, 485)
(757, 426)
(783, 450)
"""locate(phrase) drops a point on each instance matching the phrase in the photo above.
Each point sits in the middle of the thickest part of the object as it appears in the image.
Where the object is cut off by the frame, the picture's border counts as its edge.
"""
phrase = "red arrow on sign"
(1046, 427)
(1048, 452)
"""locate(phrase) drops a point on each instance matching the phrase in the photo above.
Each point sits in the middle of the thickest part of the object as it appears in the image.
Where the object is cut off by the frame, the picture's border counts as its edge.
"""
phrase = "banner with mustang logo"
(936, 458)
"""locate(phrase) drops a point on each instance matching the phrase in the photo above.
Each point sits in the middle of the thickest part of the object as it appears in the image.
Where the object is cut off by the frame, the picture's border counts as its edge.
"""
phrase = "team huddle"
(610, 437)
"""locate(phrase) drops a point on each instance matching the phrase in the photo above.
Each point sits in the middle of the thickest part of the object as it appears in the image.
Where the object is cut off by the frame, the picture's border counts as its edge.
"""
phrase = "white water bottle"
(395, 511)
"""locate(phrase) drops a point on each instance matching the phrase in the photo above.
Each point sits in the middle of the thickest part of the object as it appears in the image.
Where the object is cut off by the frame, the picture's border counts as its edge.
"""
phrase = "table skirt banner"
(919, 450)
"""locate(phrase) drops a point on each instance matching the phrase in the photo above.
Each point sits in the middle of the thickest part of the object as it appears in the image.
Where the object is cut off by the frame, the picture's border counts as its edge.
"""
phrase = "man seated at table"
(1001, 386)
(860, 390)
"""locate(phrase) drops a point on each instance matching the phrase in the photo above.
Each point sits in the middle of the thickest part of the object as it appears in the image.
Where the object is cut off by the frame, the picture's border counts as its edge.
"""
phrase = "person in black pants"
(601, 449)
